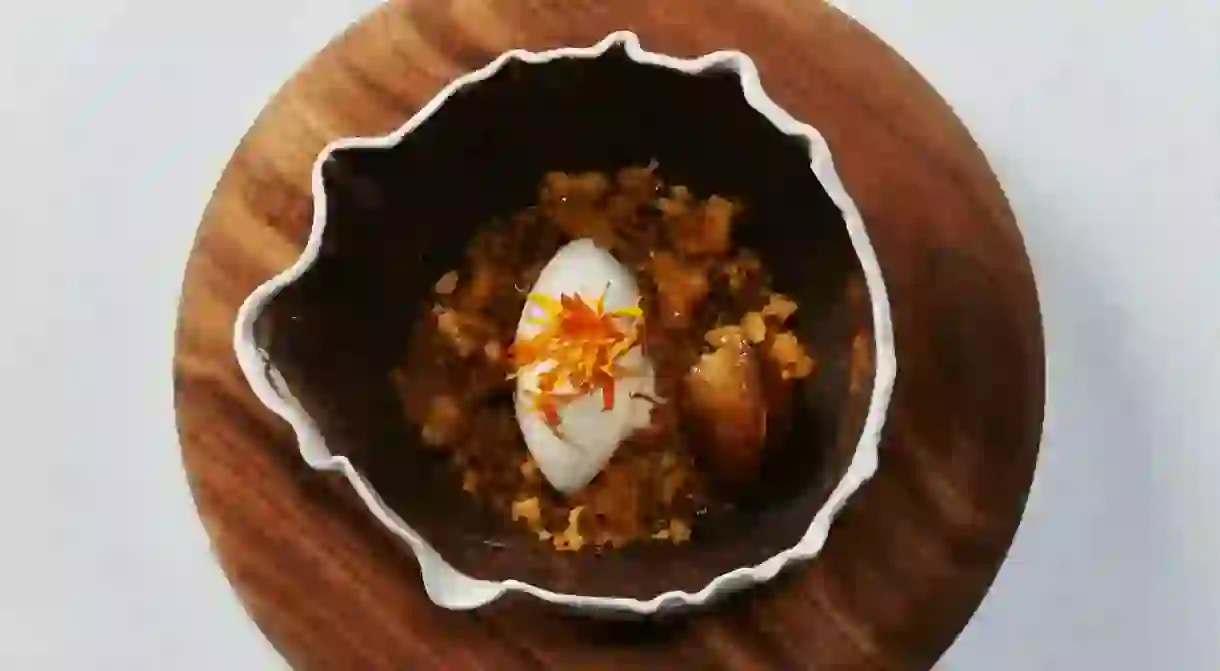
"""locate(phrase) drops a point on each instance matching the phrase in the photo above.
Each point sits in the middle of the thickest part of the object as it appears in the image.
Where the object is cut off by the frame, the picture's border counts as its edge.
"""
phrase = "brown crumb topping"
(715, 328)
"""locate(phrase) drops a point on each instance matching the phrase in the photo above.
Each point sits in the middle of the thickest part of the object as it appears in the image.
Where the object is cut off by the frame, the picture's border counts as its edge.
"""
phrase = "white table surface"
(1102, 119)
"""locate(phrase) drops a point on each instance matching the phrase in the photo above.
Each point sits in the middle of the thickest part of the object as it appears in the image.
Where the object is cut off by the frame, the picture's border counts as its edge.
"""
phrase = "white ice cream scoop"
(573, 444)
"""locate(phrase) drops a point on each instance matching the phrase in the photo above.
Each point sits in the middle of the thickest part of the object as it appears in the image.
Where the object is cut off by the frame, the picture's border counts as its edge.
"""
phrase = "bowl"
(392, 214)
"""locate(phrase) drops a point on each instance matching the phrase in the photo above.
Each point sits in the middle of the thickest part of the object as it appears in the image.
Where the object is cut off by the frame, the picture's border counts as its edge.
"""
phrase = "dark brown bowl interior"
(399, 218)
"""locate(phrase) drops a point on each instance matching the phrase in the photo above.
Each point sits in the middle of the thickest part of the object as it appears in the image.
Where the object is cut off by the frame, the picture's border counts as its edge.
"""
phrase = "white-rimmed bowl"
(317, 342)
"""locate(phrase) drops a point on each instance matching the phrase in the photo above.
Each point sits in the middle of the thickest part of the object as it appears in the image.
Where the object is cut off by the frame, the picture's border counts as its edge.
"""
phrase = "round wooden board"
(909, 560)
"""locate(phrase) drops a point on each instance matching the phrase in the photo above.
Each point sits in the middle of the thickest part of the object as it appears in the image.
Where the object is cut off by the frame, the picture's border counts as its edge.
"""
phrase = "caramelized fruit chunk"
(725, 409)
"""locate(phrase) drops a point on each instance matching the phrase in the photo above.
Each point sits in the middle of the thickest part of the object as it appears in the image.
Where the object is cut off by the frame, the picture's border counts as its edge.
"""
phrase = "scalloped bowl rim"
(445, 585)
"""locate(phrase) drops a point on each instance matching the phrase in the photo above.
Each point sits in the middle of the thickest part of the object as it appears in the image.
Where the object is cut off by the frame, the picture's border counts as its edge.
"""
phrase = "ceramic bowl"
(393, 213)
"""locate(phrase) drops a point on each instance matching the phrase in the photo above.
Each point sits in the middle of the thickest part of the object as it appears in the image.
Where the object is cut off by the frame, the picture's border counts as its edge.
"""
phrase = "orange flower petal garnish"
(584, 341)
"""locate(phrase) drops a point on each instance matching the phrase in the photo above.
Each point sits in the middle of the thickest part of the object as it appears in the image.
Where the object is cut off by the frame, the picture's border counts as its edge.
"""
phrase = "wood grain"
(907, 563)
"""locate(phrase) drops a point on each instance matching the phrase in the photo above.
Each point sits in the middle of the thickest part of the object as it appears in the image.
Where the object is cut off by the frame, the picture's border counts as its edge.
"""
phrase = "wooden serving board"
(906, 564)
